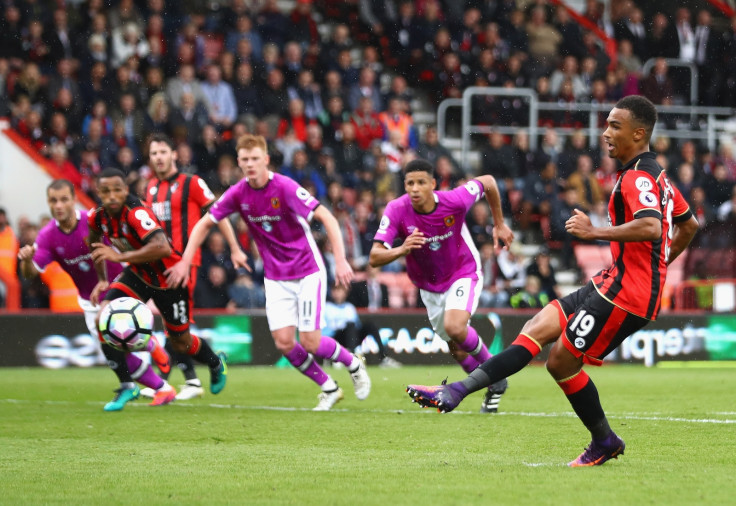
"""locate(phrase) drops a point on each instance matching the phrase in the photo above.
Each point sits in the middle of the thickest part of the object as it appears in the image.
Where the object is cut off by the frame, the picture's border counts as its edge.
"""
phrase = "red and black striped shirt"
(131, 230)
(179, 202)
(636, 278)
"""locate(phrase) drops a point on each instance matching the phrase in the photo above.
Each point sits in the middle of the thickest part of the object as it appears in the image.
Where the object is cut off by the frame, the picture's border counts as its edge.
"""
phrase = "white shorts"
(90, 315)
(296, 303)
(463, 295)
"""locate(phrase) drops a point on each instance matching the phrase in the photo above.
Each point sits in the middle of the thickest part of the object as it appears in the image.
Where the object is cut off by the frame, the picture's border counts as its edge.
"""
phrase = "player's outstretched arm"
(237, 255)
(344, 273)
(178, 274)
(683, 234)
(501, 231)
(638, 230)
(381, 255)
(25, 255)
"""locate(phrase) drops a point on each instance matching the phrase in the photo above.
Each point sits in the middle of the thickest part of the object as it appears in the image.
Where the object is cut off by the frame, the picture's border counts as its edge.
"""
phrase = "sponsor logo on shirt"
(643, 184)
(648, 199)
(434, 242)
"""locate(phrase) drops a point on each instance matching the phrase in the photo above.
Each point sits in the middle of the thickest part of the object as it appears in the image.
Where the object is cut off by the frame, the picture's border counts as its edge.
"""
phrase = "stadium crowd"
(334, 87)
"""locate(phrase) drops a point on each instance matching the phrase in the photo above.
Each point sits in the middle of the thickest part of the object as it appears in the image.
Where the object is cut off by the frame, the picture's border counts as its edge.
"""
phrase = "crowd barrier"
(56, 340)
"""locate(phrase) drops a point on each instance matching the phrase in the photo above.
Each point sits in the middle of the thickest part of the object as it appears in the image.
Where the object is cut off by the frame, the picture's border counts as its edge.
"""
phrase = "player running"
(441, 259)
(139, 241)
(651, 225)
(179, 200)
(278, 211)
(63, 240)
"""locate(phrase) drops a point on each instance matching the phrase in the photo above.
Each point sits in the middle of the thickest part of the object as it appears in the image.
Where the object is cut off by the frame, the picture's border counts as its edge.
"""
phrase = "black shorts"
(174, 304)
(594, 326)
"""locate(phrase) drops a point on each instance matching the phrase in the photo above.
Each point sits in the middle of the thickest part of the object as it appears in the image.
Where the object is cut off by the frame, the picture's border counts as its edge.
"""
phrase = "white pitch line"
(643, 417)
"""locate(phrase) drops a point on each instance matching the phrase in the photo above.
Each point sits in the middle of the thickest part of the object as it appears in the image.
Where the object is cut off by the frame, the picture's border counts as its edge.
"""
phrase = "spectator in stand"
(243, 30)
(59, 157)
(333, 118)
(157, 115)
(11, 36)
(367, 123)
(700, 207)
(576, 145)
(188, 119)
(128, 41)
(132, 119)
(332, 87)
(184, 81)
(29, 123)
(662, 38)
(395, 119)
(585, 182)
(58, 132)
(348, 155)
(684, 178)
(726, 157)
(567, 70)
(492, 294)
(185, 159)
(208, 150)
(296, 119)
(246, 95)
(430, 149)
(658, 85)
(303, 27)
(404, 35)
(367, 86)
(308, 91)
(219, 95)
(717, 186)
(631, 28)
(531, 296)
(274, 98)
(728, 63)
(544, 42)
(570, 30)
(540, 192)
(244, 293)
(189, 46)
(499, 160)
(153, 83)
(305, 174)
(541, 268)
(560, 212)
(212, 291)
(273, 25)
(726, 212)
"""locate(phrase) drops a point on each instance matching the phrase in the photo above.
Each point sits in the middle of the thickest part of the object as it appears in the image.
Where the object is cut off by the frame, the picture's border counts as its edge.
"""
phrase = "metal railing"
(707, 119)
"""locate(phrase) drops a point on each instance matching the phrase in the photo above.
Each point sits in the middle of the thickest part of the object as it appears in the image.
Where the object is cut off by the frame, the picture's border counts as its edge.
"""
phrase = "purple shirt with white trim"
(72, 253)
(449, 253)
(278, 217)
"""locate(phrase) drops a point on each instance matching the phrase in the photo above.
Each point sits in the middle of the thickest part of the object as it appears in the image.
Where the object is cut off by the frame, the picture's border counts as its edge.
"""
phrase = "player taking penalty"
(278, 211)
(140, 241)
(651, 224)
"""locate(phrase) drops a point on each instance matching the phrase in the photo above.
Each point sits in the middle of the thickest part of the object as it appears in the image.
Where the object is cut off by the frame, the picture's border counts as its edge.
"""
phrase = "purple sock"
(469, 364)
(304, 362)
(475, 346)
(331, 350)
(143, 373)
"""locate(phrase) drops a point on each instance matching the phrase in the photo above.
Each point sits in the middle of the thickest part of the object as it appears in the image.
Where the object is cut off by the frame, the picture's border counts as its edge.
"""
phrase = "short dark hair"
(111, 172)
(161, 137)
(59, 184)
(642, 111)
(419, 165)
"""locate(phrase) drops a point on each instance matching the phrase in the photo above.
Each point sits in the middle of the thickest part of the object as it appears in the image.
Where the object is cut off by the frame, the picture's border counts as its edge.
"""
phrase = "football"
(126, 324)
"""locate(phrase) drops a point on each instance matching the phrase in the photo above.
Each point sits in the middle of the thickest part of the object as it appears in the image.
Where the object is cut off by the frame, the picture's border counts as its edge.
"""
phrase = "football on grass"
(126, 324)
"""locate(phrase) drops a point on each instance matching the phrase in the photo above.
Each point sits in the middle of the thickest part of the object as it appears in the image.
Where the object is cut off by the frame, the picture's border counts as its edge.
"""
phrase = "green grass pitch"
(259, 442)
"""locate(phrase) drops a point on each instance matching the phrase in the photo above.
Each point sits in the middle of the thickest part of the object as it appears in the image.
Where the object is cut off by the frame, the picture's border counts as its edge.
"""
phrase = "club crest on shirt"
(60, 250)
(174, 187)
(275, 203)
(449, 221)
